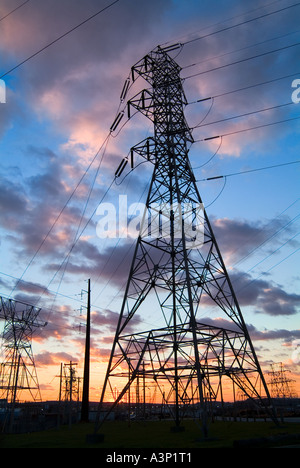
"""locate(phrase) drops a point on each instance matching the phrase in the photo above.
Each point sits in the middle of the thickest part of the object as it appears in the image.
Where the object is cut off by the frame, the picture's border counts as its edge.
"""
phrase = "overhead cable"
(15, 9)
(61, 211)
(225, 21)
(244, 88)
(59, 38)
(241, 23)
(242, 60)
(267, 271)
(242, 115)
(247, 129)
(265, 228)
(239, 50)
(79, 235)
(249, 170)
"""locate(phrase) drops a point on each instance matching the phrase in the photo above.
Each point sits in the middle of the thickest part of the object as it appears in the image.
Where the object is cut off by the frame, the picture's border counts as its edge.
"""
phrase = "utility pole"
(86, 375)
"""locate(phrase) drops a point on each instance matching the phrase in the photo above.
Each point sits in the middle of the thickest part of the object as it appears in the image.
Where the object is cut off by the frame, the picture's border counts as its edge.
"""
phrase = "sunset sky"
(58, 159)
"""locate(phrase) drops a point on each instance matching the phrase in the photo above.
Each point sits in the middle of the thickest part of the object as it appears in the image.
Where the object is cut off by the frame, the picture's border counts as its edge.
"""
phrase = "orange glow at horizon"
(49, 386)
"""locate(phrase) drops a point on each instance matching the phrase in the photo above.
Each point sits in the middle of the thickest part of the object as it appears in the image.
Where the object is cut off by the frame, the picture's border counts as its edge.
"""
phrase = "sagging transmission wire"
(246, 114)
(241, 49)
(101, 148)
(244, 88)
(227, 28)
(236, 62)
(15, 9)
(59, 38)
(248, 129)
(249, 170)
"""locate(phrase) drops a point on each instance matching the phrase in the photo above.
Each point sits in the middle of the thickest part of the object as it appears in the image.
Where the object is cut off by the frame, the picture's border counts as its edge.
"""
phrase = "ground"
(121, 435)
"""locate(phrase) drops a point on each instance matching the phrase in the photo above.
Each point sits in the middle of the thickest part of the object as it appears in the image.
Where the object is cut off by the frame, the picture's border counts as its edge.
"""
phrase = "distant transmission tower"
(18, 377)
(70, 382)
(177, 276)
(69, 389)
(279, 383)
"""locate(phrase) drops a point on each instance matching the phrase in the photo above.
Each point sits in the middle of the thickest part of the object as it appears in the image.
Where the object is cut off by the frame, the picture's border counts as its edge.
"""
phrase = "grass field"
(158, 434)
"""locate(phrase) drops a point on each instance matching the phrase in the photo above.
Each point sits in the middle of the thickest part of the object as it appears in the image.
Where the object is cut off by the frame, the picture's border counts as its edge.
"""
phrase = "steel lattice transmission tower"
(177, 269)
(280, 385)
(70, 382)
(18, 372)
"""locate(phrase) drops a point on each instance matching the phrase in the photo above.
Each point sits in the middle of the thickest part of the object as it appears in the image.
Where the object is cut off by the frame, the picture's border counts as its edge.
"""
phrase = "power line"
(249, 170)
(61, 211)
(66, 261)
(79, 236)
(241, 23)
(242, 115)
(102, 147)
(288, 256)
(121, 261)
(268, 226)
(46, 288)
(110, 5)
(59, 38)
(242, 60)
(67, 296)
(268, 239)
(219, 194)
(239, 50)
(248, 129)
(245, 88)
(221, 22)
(211, 158)
(267, 271)
(276, 250)
(15, 9)
(36, 286)
(271, 268)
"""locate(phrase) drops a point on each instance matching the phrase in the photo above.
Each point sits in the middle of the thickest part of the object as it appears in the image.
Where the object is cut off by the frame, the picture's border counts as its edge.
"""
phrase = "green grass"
(154, 434)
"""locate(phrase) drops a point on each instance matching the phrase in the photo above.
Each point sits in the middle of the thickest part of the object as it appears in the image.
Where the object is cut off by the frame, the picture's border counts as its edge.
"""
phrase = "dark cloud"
(32, 288)
(41, 212)
(13, 203)
(275, 301)
(239, 239)
(110, 264)
(27, 298)
(109, 320)
(267, 334)
(264, 296)
(52, 359)
(47, 186)
(59, 322)
(286, 336)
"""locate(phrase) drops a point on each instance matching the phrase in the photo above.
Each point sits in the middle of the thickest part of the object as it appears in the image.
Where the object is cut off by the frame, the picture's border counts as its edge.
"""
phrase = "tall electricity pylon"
(280, 385)
(18, 376)
(178, 274)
